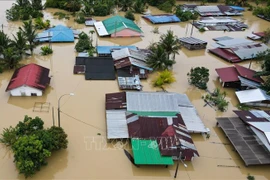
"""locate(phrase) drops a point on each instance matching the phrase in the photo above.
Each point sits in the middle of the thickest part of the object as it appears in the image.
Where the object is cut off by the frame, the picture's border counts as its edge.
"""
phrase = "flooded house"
(249, 134)
(238, 77)
(29, 80)
(106, 51)
(118, 26)
(131, 62)
(192, 43)
(90, 21)
(129, 83)
(95, 68)
(237, 49)
(253, 97)
(161, 18)
(219, 24)
(164, 118)
(256, 36)
(213, 10)
(58, 33)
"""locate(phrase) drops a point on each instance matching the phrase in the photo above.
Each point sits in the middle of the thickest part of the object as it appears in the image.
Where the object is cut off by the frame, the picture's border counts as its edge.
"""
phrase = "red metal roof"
(31, 75)
(225, 54)
(228, 74)
(261, 34)
(248, 73)
(116, 101)
(247, 116)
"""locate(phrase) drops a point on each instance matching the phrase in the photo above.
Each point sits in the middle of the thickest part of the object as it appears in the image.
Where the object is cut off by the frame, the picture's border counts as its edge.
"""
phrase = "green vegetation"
(79, 18)
(29, 31)
(69, 5)
(249, 177)
(265, 11)
(185, 15)
(45, 50)
(40, 24)
(165, 5)
(198, 77)
(163, 52)
(85, 44)
(202, 29)
(155, 30)
(217, 99)
(243, 107)
(165, 77)
(266, 38)
(61, 15)
(130, 15)
(32, 144)
(24, 10)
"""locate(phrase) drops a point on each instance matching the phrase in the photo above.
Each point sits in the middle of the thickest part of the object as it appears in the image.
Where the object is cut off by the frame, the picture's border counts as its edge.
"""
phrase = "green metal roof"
(156, 114)
(147, 152)
(117, 23)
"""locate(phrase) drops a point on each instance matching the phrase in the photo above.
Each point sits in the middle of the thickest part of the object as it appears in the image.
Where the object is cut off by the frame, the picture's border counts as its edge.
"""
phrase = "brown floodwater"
(88, 155)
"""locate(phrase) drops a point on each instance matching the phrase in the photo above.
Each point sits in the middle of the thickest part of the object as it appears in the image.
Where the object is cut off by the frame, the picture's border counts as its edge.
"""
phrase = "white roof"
(234, 42)
(192, 120)
(252, 95)
(262, 130)
(101, 30)
(215, 20)
(204, 9)
(116, 124)
(126, 52)
(151, 102)
(253, 36)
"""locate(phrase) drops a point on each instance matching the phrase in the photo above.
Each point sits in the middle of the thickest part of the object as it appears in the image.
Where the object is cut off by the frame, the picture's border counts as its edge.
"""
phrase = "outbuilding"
(192, 43)
(29, 80)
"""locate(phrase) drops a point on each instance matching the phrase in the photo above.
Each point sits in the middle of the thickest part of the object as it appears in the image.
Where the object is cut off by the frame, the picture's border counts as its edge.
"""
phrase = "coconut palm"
(11, 58)
(125, 4)
(20, 43)
(29, 31)
(4, 41)
(158, 59)
(170, 43)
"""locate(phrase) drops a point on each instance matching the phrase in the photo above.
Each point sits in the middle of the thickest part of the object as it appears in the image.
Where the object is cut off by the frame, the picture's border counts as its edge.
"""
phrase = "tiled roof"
(31, 75)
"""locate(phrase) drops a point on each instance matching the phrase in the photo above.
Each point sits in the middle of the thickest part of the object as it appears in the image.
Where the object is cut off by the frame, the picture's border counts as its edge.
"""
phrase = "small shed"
(192, 43)
(29, 80)
(162, 18)
(253, 97)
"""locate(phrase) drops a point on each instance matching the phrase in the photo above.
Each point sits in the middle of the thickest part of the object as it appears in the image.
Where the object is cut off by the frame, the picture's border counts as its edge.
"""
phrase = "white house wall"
(25, 91)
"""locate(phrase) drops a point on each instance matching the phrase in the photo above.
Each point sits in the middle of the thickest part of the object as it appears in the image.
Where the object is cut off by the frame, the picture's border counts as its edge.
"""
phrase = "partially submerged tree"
(32, 144)
(29, 31)
(165, 77)
(158, 59)
(170, 43)
(130, 15)
(45, 50)
(198, 77)
(217, 99)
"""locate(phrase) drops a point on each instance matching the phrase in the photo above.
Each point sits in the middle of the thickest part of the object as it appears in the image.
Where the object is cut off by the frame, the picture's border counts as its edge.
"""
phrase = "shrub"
(199, 77)
(80, 18)
(40, 24)
(164, 78)
(217, 99)
(84, 43)
(202, 29)
(130, 15)
(45, 50)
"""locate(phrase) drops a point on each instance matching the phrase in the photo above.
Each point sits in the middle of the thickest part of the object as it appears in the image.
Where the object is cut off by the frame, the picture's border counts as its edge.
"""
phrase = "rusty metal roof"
(253, 115)
(116, 101)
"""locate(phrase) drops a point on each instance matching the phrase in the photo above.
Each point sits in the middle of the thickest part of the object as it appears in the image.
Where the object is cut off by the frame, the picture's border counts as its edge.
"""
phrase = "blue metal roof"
(238, 8)
(108, 49)
(58, 33)
(165, 18)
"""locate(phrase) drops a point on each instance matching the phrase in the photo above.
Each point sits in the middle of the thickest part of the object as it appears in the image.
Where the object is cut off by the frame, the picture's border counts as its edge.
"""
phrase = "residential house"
(253, 97)
(29, 80)
(162, 18)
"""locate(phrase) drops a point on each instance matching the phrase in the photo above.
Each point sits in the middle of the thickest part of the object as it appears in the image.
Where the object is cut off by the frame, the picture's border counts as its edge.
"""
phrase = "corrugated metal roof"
(109, 49)
(151, 102)
(63, 36)
(90, 22)
(253, 115)
(234, 42)
(118, 23)
(205, 9)
(162, 18)
(249, 51)
(126, 52)
(183, 100)
(252, 95)
(228, 74)
(192, 40)
(263, 136)
(251, 150)
(101, 29)
(222, 38)
(116, 101)
(58, 33)
(249, 83)
(116, 124)
(192, 120)
(238, 8)
(225, 54)
(147, 152)
(130, 83)
(248, 73)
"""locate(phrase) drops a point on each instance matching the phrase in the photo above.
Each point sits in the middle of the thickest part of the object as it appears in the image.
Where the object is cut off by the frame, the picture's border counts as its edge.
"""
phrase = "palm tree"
(125, 4)
(29, 31)
(20, 43)
(4, 41)
(139, 6)
(158, 59)
(170, 43)
(11, 58)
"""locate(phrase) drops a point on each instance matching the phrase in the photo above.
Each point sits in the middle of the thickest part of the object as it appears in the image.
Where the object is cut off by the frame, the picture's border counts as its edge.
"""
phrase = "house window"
(33, 94)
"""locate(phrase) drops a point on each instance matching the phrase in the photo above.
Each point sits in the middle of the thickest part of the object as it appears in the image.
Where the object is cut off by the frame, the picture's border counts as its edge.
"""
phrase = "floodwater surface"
(88, 155)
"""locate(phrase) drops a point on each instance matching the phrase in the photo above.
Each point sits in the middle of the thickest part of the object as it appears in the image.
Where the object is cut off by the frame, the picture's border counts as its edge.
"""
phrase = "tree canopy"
(32, 144)
(199, 76)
